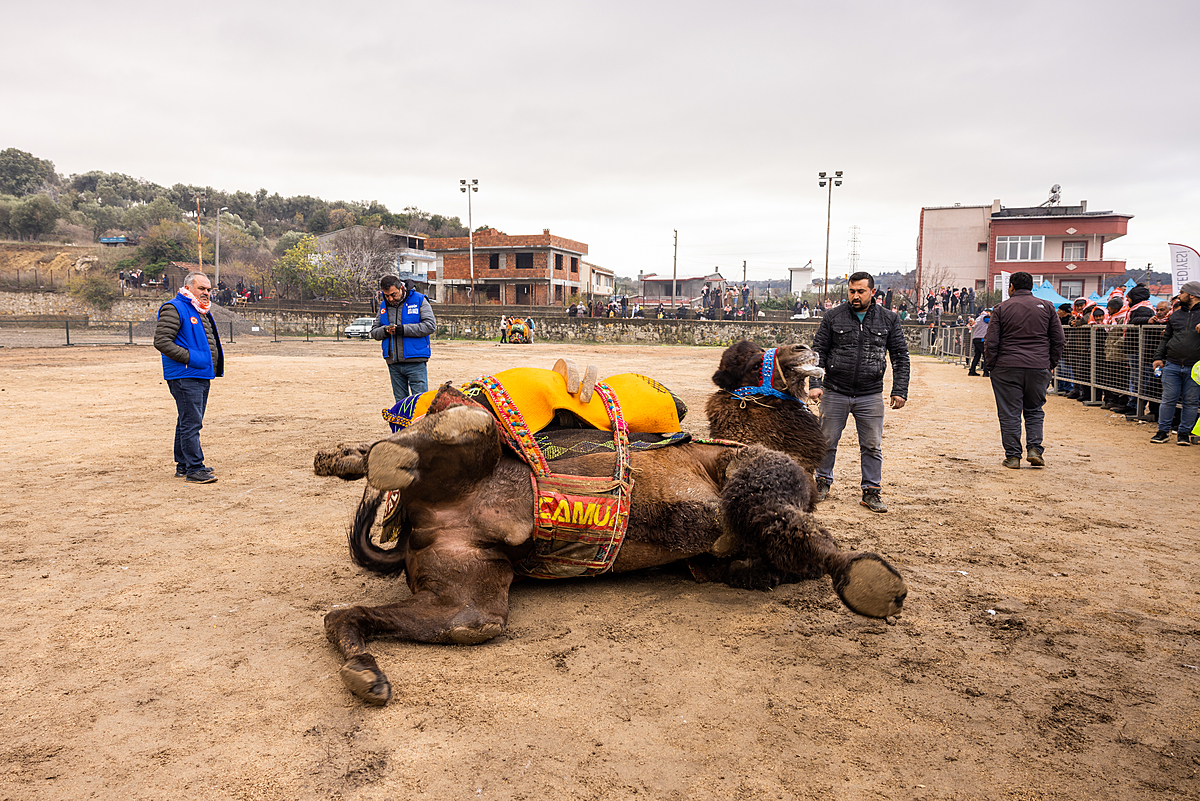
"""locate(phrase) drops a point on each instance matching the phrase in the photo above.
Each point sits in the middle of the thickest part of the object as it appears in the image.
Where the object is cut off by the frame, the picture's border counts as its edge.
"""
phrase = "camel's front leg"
(470, 606)
(765, 502)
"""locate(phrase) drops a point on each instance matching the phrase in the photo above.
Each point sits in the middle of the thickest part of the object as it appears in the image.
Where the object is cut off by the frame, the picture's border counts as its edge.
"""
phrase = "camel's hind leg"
(766, 500)
(472, 611)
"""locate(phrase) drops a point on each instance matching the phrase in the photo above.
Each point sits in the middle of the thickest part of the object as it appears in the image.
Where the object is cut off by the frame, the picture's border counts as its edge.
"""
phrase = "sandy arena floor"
(164, 640)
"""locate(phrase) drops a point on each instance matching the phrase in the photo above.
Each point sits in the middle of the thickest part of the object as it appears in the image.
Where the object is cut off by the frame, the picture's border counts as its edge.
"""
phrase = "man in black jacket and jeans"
(1023, 345)
(1178, 351)
(854, 342)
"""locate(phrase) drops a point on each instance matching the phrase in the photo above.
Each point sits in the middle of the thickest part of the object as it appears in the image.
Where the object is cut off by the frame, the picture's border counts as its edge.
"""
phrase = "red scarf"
(199, 305)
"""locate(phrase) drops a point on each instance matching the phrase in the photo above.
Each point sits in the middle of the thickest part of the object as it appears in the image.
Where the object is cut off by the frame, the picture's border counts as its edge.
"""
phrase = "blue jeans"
(868, 419)
(408, 378)
(1065, 374)
(1177, 383)
(191, 399)
(1020, 392)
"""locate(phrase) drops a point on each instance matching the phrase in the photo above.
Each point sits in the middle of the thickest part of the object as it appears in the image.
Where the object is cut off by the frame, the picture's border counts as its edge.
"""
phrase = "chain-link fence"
(1112, 363)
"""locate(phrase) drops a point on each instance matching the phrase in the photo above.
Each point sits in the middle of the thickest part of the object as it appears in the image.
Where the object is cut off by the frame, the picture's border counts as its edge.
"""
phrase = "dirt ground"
(164, 640)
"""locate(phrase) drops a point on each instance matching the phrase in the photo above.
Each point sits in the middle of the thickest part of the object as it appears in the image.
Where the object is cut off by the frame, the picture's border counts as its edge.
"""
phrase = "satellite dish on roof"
(1054, 189)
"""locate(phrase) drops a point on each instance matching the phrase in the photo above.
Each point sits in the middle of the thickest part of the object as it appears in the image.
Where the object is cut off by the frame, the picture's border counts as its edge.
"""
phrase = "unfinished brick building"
(533, 270)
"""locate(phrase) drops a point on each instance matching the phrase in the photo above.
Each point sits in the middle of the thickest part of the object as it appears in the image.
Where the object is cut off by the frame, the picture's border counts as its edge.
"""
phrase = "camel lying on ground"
(467, 521)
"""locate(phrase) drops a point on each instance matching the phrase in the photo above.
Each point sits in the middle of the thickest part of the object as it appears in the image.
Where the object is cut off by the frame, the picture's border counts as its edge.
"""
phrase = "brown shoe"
(1034, 457)
(1014, 462)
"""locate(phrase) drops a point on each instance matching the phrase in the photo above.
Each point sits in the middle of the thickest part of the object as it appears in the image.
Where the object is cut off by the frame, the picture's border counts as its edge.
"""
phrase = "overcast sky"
(616, 123)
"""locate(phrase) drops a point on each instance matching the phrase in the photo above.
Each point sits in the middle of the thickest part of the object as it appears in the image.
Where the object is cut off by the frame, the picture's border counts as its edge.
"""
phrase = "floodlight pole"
(836, 178)
(674, 270)
(217, 282)
(463, 186)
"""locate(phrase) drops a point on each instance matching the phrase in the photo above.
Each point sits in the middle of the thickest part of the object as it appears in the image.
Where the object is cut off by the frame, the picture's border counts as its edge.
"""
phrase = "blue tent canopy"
(1046, 292)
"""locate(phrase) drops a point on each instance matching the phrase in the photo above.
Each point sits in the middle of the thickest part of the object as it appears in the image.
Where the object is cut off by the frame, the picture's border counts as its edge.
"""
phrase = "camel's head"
(742, 363)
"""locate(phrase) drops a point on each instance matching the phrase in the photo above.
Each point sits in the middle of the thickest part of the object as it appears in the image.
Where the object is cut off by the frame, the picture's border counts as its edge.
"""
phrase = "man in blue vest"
(186, 336)
(404, 325)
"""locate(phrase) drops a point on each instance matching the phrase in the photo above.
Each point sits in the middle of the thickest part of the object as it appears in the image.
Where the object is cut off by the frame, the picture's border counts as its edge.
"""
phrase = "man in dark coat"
(854, 342)
(1023, 345)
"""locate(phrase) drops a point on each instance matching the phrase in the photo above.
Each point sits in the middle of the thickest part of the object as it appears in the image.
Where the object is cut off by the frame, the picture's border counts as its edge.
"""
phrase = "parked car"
(360, 328)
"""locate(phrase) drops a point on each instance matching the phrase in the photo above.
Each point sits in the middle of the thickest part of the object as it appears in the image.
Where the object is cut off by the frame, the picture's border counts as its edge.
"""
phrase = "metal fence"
(93, 332)
(1102, 362)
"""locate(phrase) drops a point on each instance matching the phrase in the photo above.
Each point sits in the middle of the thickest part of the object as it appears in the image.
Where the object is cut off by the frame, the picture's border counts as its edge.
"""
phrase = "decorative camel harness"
(764, 382)
(579, 521)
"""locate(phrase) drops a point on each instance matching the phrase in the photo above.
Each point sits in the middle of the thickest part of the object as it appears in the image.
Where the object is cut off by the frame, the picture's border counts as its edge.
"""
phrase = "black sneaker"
(872, 501)
(181, 473)
(1035, 458)
(200, 477)
(1184, 439)
(823, 485)
(1160, 437)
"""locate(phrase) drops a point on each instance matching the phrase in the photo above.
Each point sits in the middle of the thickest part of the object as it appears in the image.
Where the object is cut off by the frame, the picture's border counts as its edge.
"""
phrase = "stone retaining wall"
(554, 328)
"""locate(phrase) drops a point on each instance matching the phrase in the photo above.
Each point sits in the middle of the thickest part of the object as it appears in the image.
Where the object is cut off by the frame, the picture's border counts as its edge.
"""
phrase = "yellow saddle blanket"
(648, 406)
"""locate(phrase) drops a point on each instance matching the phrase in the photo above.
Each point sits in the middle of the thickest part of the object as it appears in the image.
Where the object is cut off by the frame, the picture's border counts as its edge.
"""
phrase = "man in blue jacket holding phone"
(404, 325)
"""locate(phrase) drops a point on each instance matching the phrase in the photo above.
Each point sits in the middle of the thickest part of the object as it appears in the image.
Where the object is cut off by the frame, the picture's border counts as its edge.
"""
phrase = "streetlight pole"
(217, 282)
(835, 179)
(463, 186)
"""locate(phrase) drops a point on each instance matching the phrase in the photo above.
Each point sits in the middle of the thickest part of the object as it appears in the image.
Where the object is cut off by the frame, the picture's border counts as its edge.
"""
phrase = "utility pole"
(674, 267)
(199, 250)
(217, 279)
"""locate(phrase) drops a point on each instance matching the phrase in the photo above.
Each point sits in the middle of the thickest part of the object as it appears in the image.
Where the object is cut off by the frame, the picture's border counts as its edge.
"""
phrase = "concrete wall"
(950, 240)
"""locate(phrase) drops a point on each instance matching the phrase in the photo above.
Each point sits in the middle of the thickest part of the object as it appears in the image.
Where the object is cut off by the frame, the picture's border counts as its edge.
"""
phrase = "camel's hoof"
(391, 466)
(461, 424)
(473, 635)
(362, 676)
(871, 587)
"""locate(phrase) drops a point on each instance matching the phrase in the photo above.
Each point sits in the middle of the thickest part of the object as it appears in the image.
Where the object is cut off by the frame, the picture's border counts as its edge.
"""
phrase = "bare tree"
(363, 255)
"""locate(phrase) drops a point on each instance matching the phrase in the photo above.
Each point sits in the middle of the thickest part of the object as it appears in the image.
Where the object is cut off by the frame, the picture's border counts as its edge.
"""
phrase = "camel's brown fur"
(467, 507)
(782, 425)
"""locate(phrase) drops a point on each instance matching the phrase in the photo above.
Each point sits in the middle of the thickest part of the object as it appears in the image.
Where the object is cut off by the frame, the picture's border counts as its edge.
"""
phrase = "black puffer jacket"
(1181, 343)
(855, 354)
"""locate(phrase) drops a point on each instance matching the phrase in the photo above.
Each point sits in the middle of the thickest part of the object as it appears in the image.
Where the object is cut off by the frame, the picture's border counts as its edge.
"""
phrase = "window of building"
(493, 261)
(524, 261)
(1074, 251)
(558, 261)
(983, 247)
(1071, 289)
(1019, 248)
(574, 264)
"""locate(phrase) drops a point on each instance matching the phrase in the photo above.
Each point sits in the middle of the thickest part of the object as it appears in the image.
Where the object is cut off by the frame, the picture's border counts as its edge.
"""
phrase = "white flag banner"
(1004, 279)
(1185, 266)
